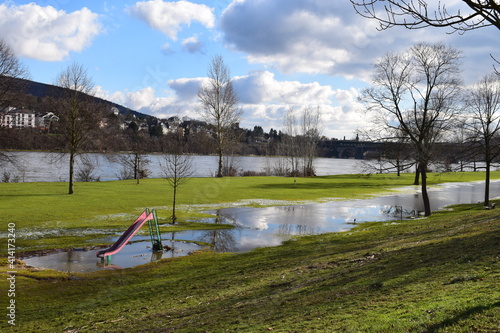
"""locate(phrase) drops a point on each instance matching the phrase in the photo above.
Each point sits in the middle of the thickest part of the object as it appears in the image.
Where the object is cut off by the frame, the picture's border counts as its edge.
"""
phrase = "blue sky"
(152, 56)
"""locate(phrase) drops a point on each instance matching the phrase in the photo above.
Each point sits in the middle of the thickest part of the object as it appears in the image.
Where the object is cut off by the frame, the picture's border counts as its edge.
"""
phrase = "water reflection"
(399, 212)
(270, 226)
(133, 254)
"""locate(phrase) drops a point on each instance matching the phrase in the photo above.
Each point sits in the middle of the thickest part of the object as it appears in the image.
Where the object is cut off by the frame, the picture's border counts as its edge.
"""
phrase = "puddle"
(270, 226)
(133, 254)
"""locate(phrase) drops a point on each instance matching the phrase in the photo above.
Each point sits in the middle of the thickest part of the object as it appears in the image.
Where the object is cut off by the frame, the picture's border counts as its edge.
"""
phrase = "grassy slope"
(431, 275)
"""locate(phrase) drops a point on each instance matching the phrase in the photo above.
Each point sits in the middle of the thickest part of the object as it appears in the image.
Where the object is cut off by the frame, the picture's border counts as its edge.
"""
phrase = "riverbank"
(438, 274)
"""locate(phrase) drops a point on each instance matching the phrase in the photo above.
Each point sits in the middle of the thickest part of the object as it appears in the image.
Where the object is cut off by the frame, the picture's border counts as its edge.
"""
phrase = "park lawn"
(438, 274)
(46, 217)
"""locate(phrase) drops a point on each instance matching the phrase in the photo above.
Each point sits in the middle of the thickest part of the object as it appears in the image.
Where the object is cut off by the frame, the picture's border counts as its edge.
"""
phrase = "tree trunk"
(219, 170)
(136, 167)
(174, 217)
(71, 171)
(487, 184)
(425, 195)
(417, 175)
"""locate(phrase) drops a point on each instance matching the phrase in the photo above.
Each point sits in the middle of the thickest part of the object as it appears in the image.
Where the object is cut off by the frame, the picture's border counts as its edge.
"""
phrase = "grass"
(438, 274)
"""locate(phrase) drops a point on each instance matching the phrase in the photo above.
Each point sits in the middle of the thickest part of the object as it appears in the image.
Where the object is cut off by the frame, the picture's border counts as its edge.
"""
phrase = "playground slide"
(120, 243)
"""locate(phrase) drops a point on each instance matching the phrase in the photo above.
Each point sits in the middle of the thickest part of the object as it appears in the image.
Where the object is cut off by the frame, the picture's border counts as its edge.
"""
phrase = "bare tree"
(416, 14)
(135, 161)
(483, 120)
(413, 95)
(219, 104)
(311, 134)
(12, 76)
(290, 140)
(300, 140)
(12, 83)
(134, 165)
(79, 113)
(178, 166)
(86, 172)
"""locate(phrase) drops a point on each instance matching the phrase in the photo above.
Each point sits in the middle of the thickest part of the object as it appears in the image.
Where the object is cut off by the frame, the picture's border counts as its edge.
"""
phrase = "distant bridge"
(350, 148)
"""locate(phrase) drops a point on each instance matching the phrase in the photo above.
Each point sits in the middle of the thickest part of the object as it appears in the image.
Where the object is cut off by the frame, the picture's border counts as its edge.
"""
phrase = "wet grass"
(438, 274)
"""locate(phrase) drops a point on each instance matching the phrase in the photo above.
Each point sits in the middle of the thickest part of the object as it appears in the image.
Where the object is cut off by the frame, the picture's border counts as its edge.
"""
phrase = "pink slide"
(120, 243)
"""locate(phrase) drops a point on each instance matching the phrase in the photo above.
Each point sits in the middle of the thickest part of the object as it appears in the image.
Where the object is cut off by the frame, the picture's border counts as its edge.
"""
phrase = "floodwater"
(135, 253)
(262, 227)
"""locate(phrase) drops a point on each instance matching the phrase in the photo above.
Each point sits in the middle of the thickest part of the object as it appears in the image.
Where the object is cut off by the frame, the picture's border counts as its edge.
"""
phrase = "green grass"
(438, 274)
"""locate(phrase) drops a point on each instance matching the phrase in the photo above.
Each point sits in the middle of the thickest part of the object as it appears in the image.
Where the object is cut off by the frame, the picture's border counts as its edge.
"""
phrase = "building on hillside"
(23, 118)
(45, 121)
(18, 118)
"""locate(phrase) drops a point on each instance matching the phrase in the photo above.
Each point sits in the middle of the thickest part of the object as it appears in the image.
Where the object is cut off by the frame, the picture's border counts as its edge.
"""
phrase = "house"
(45, 121)
(17, 118)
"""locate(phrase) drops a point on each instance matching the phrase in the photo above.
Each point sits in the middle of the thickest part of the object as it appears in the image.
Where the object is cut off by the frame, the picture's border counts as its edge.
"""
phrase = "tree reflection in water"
(221, 240)
(399, 212)
(294, 229)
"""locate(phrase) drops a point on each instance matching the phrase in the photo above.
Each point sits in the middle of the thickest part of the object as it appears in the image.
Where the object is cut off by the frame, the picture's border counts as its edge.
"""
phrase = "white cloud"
(186, 89)
(168, 17)
(45, 33)
(328, 37)
(141, 98)
(192, 45)
(310, 36)
(167, 49)
(263, 98)
(262, 87)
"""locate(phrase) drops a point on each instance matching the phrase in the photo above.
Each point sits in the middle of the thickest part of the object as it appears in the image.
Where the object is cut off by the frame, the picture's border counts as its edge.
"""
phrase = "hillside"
(42, 90)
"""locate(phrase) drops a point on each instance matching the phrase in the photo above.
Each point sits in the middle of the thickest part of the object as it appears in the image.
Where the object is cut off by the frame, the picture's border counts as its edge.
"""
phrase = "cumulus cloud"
(310, 36)
(262, 87)
(167, 49)
(192, 45)
(322, 37)
(186, 89)
(168, 17)
(46, 33)
(263, 99)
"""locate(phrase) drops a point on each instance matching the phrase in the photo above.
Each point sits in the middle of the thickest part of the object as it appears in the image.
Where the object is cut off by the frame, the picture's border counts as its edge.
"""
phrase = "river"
(53, 167)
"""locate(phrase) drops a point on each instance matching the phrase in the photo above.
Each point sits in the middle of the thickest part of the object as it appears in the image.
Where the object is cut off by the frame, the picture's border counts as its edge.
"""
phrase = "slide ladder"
(154, 233)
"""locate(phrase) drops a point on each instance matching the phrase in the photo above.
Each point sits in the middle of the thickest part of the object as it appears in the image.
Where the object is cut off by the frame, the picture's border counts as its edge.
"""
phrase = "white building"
(11, 118)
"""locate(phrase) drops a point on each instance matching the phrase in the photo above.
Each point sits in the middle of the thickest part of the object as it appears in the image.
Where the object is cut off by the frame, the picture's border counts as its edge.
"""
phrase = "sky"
(152, 56)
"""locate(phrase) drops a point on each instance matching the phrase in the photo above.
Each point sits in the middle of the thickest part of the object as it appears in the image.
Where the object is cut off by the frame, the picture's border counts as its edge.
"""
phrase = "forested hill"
(42, 90)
